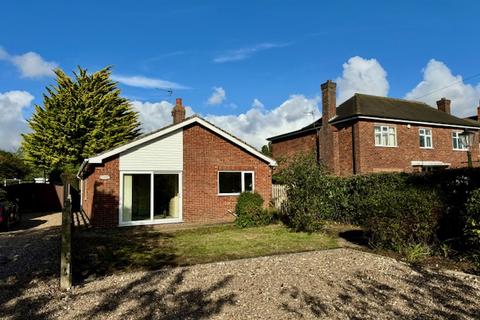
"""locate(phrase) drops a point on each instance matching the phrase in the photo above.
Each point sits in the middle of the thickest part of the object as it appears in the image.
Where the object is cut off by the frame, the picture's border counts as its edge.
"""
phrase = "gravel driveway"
(331, 284)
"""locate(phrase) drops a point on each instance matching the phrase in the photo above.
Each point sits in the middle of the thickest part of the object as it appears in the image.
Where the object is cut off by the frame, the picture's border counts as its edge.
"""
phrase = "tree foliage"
(80, 117)
(267, 149)
(12, 166)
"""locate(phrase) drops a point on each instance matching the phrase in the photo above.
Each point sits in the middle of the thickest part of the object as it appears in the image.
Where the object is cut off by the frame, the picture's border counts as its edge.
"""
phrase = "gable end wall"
(204, 154)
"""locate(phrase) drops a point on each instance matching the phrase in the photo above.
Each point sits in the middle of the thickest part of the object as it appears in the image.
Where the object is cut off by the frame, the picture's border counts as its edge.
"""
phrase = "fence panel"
(279, 196)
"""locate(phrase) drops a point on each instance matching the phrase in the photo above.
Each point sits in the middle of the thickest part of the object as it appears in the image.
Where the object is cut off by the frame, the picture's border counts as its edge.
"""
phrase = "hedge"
(397, 209)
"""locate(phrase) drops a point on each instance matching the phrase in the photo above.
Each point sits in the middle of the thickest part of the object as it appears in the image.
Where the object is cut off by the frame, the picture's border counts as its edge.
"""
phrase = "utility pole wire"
(447, 86)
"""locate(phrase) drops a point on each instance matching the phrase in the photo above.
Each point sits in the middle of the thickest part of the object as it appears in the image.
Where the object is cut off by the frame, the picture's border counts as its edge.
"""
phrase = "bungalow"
(188, 172)
(379, 134)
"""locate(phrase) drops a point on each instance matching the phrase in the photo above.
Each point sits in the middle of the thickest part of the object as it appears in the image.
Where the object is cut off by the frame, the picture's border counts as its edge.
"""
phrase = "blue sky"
(264, 59)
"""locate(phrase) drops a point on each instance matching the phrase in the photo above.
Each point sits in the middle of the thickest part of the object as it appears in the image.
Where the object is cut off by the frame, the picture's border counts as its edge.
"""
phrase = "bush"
(398, 219)
(250, 212)
(313, 195)
(472, 227)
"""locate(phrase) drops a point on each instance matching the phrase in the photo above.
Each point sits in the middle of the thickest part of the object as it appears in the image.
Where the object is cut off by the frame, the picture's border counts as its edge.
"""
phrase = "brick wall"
(204, 154)
(285, 149)
(101, 197)
(345, 151)
(378, 159)
(369, 158)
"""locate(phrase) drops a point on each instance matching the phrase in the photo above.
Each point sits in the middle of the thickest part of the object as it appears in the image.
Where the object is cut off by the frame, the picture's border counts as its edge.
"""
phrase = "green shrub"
(250, 211)
(400, 218)
(472, 228)
(416, 252)
(313, 195)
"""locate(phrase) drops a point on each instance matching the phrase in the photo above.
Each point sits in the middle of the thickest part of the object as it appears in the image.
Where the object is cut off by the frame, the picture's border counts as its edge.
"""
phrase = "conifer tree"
(80, 117)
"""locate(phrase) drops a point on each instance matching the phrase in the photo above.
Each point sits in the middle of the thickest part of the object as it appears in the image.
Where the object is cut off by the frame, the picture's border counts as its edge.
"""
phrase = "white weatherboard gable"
(163, 153)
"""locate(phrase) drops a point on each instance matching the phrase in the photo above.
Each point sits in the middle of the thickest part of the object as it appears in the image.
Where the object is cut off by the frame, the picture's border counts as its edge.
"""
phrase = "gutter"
(80, 170)
(433, 124)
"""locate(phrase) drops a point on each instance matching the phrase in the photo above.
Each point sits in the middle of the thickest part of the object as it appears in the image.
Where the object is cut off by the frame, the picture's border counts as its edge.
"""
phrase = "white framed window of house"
(385, 136)
(457, 142)
(425, 138)
(150, 197)
(232, 183)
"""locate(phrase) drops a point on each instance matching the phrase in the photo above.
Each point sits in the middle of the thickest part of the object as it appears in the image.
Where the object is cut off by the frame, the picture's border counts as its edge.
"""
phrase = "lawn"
(104, 252)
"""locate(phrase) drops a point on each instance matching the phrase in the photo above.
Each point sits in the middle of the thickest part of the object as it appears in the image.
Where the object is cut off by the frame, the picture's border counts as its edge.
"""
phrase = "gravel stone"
(331, 284)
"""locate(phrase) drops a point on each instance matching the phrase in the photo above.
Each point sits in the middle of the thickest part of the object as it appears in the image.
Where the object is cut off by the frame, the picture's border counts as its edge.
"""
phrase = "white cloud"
(438, 81)
(30, 64)
(257, 104)
(148, 83)
(247, 52)
(218, 96)
(362, 76)
(253, 126)
(257, 124)
(3, 54)
(155, 115)
(12, 122)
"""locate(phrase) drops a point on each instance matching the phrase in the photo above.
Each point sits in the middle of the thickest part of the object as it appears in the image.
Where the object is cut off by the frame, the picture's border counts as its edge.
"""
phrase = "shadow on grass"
(421, 294)
(97, 253)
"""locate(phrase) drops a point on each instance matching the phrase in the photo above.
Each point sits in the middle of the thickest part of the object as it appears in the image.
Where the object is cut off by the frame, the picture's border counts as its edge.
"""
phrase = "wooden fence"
(279, 196)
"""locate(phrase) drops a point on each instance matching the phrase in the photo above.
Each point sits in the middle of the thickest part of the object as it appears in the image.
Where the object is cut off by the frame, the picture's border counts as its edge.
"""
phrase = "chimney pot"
(444, 105)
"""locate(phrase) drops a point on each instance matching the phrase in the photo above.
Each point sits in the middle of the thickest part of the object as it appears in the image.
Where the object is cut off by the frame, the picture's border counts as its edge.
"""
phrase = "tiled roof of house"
(368, 106)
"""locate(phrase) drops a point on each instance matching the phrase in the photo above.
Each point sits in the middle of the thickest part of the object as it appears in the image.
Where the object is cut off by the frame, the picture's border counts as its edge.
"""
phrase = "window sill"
(386, 146)
(428, 148)
(227, 194)
(464, 150)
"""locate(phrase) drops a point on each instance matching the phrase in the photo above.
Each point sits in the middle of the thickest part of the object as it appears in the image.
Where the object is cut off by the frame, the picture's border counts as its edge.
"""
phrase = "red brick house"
(188, 172)
(378, 134)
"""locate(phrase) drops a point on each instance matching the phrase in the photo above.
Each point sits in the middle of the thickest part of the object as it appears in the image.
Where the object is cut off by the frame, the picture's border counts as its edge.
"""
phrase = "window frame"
(457, 133)
(425, 137)
(150, 221)
(242, 182)
(381, 126)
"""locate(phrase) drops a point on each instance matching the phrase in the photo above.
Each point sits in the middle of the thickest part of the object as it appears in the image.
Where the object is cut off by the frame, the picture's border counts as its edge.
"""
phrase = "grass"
(99, 253)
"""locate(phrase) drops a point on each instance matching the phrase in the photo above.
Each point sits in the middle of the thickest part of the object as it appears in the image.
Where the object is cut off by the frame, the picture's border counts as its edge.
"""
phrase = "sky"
(253, 68)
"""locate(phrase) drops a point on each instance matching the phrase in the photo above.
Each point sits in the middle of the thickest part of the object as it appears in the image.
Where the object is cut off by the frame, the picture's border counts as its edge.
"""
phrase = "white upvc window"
(385, 136)
(458, 142)
(425, 136)
(235, 182)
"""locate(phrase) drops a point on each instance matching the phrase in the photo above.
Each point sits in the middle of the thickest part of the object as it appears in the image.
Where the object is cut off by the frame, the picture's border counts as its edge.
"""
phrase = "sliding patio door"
(151, 197)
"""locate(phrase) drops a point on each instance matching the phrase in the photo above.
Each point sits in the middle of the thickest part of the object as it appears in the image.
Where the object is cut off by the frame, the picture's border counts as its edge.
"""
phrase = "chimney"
(444, 105)
(478, 113)
(328, 135)
(329, 101)
(178, 112)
